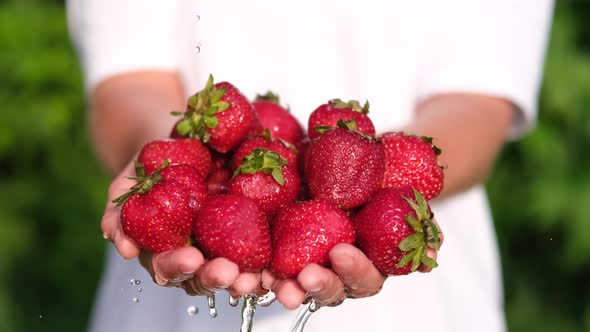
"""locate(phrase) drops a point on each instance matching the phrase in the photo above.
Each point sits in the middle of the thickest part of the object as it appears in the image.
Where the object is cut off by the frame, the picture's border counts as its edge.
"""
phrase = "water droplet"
(192, 202)
(105, 235)
(198, 17)
(192, 310)
(211, 304)
(40, 316)
(267, 299)
(135, 300)
(550, 239)
(198, 48)
(137, 282)
(314, 306)
(139, 289)
(132, 281)
(233, 302)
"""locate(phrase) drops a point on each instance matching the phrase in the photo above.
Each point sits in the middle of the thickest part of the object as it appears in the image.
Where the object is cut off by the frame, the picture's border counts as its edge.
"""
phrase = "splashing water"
(233, 302)
(135, 300)
(198, 48)
(211, 304)
(192, 310)
(267, 299)
(303, 316)
(248, 311)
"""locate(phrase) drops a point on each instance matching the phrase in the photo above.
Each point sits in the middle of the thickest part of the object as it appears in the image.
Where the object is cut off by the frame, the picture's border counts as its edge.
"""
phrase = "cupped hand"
(184, 267)
(352, 275)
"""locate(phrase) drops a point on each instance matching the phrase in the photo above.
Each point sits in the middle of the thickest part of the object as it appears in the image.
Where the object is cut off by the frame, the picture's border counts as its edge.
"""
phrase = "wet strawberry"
(344, 167)
(158, 211)
(304, 233)
(234, 227)
(265, 177)
(277, 119)
(394, 229)
(219, 115)
(412, 161)
(264, 141)
(327, 115)
(178, 151)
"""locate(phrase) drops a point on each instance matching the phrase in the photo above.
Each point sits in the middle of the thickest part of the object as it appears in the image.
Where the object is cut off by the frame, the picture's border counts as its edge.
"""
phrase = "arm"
(471, 130)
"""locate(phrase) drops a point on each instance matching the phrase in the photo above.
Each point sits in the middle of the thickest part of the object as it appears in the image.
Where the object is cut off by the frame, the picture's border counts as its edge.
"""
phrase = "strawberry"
(219, 175)
(304, 233)
(264, 141)
(232, 226)
(411, 161)
(219, 115)
(394, 229)
(327, 115)
(277, 119)
(265, 177)
(344, 167)
(158, 211)
(178, 151)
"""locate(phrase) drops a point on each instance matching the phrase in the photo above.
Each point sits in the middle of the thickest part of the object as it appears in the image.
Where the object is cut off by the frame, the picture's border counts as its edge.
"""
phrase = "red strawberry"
(218, 182)
(158, 211)
(219, 115)
(411, 161)
(277, 119)
(304, 233)
(344, 167)
(265, 177)
(232, 226)
(264, 141)
(327, 115)
(178, 151)
(394, 229)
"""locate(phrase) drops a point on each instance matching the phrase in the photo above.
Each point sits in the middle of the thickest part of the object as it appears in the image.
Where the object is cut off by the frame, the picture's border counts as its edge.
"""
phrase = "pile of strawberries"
(244, 181)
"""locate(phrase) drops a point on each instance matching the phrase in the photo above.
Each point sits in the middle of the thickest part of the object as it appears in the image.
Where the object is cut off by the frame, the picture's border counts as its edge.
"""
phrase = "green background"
(52, 192)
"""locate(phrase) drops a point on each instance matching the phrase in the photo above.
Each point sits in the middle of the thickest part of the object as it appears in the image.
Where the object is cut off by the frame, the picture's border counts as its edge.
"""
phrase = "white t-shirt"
(393, 53)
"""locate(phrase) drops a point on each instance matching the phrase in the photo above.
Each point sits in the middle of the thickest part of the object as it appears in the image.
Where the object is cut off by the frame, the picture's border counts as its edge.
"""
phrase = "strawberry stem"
(264, 161)
(269, 96)
(144, 183)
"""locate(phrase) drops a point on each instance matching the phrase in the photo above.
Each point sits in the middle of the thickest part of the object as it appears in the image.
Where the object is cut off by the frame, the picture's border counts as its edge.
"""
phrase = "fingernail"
(187, 270)
(160, 281)
(345, 261)
(182, 278)
(317, 288)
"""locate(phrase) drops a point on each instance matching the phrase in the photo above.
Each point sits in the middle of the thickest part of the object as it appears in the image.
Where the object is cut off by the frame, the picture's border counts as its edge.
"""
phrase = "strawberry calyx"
(348, 125)
(352, 104)
(267, 137)
(201, 111)
(270, 97)
(426, 139)
(144, 183)
(264, 161)
(425, 235)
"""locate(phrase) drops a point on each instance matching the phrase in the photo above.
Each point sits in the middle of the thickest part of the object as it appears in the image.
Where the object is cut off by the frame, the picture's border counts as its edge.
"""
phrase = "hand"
(352, 276)
(185, 267)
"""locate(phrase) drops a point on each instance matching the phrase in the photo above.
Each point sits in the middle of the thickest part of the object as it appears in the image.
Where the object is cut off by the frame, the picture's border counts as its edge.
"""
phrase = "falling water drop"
(233, 301)
(135, 300)
(192, 310)
(137, 282)
(198, 48)
(211, 304)
(198, 17)
(303, 316)
(139, 290)
(267, 299)
(132, 281)
(40, 316)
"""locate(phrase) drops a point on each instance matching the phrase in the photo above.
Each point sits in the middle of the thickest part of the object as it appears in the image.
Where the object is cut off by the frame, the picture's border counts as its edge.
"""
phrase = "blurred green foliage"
(52, 191)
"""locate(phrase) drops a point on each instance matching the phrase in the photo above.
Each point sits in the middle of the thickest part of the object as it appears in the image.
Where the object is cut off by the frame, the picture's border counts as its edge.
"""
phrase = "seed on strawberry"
(234, 227)
(344, 167)
(412, 161)
(328, 115)
(178, 151)
(265, 177)
(158, 211)
(394, 229)
(219, 115)
(304, 233)
(282, 124)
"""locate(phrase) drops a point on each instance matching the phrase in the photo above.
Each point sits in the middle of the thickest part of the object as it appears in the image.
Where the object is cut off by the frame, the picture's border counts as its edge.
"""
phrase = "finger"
(214, 275)
(246, 283)
(267, 279)
(176, 266)
(360, 277)
(432, 253)
(322, 284)
(289, 293)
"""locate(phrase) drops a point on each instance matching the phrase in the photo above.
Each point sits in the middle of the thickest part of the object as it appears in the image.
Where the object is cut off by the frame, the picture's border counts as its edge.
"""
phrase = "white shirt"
(393, 53)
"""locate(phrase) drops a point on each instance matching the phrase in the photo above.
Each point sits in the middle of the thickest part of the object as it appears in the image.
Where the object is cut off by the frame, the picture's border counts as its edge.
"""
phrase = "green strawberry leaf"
(416, 259)
(322, 129)
(184, 127)
(211, 121)
(412, 242)
(176, 113)
(428, 261)
(222, 106)
(414, 223)
(406, 259)
(277, 174)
